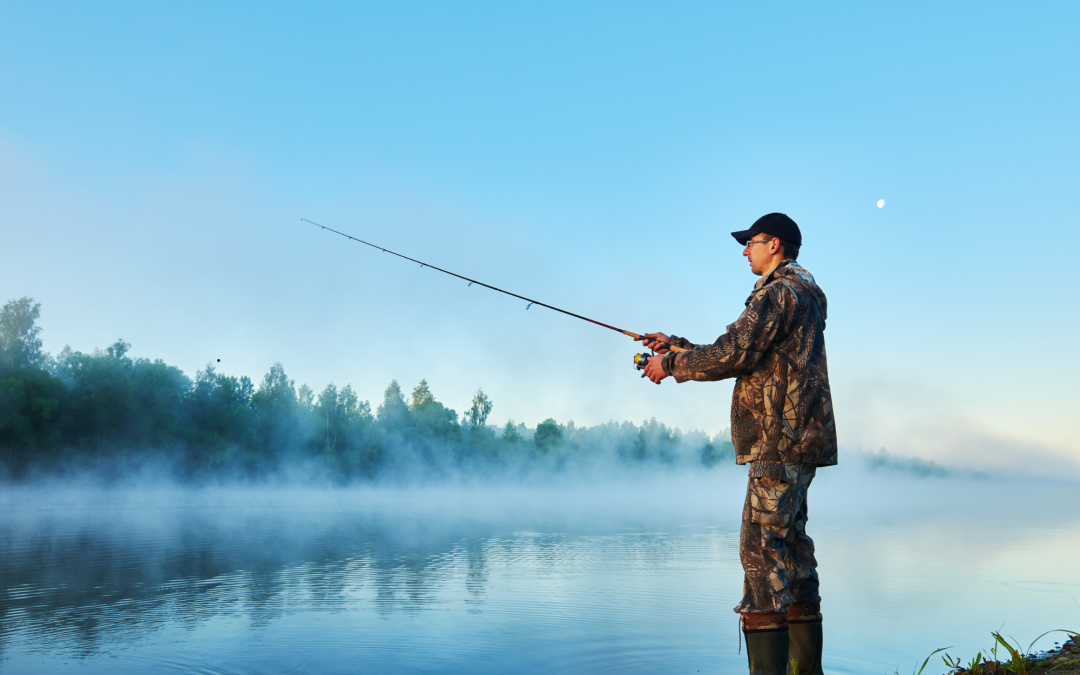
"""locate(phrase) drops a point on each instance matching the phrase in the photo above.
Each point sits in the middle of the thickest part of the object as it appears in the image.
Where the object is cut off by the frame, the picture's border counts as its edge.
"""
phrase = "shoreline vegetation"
(1007, 657)
(109, 414)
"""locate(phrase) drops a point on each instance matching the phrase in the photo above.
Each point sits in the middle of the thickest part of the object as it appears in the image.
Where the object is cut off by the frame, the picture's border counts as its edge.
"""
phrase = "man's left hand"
(653, 370)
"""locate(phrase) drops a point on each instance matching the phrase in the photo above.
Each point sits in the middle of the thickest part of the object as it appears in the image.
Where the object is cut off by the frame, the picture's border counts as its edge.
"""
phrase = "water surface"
(629, 576)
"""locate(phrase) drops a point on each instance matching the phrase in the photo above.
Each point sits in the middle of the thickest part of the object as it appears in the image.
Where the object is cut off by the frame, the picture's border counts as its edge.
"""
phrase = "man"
(782, 425)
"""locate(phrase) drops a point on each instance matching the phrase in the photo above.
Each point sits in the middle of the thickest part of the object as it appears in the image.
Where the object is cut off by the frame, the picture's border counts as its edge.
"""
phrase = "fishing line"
(531, 302)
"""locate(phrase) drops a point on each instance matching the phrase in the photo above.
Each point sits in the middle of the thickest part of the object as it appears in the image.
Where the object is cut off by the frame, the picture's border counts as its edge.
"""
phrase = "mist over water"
(635, 573)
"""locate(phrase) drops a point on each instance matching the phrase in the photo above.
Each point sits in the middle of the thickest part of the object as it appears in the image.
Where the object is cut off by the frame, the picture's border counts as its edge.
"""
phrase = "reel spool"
(642, 360)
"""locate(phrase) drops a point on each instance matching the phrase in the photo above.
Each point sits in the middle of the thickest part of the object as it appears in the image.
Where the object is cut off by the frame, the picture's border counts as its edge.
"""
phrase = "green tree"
(709, 456)
(344, 422)
(510, 433)
(481, 408)
(421, 397)
(30, 418)
(393, 408)
(20, 346)
(122, 403)
(655, 441)
(355, 410)
(276, 393)
(305, 397)
(219, 419)
(431, 417)
(276, 406)
(548, 435)
(360, 454)
(118, 349)
(31, 399)
(354, 406)
(160, 394)
(329, 411)
(103, 396)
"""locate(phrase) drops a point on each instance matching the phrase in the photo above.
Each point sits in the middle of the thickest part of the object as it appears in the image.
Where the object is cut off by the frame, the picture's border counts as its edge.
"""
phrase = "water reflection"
(70, 582)
(80, 581)
(416, 582)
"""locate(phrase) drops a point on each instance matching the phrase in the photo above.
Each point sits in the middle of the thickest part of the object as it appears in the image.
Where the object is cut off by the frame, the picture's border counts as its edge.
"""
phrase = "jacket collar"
(769, 277)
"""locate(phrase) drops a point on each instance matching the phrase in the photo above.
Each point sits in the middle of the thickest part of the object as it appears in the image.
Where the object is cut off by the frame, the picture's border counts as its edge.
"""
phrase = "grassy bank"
(1006, 657)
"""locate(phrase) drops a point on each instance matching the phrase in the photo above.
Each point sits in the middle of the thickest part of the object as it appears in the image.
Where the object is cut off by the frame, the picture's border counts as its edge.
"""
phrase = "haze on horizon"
(155, 162)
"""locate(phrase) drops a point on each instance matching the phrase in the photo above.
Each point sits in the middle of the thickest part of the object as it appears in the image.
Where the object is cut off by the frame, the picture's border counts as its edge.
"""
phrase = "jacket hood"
(789, 269)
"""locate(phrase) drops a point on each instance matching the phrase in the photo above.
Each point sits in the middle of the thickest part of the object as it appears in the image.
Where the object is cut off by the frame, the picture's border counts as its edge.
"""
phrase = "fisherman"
(782, 426)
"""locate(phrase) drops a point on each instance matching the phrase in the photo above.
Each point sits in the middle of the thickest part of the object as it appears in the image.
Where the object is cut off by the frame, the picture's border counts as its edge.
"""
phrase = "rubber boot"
(804, 646)
(766, 643)
(804, 637)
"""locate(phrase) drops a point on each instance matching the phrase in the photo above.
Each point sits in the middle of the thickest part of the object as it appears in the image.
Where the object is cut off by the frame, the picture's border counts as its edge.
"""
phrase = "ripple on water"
(274, 589)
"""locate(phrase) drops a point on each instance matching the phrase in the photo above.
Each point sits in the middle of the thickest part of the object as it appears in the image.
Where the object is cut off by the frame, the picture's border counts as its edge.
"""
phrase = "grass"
(1006, 658)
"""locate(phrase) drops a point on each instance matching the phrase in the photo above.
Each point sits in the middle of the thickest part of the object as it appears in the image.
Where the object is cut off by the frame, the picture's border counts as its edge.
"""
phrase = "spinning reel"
(642, 360)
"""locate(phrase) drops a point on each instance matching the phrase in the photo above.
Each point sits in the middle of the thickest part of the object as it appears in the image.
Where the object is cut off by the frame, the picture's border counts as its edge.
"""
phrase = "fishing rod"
(639, 360)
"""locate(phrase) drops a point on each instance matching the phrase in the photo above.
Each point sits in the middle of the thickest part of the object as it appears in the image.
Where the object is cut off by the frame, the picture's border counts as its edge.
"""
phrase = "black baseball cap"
(776, 224)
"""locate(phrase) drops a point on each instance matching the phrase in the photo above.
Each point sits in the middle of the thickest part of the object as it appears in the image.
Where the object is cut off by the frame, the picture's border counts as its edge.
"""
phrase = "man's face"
(760, 250)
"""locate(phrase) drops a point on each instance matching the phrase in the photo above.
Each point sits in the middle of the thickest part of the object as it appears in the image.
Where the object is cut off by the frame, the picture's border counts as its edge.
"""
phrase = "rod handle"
(642, 338)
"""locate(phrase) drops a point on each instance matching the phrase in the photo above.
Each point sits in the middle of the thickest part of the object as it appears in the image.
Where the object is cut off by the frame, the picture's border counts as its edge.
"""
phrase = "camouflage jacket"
(781, 410)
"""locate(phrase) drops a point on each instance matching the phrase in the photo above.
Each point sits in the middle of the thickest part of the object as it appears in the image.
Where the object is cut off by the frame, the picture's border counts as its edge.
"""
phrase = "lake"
(636, 574)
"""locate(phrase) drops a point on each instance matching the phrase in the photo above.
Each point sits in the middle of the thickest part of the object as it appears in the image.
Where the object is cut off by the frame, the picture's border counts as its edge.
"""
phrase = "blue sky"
(155, 161)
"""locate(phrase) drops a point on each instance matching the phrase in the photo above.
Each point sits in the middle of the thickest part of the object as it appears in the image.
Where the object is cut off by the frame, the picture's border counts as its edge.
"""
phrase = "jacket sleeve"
(743, 345)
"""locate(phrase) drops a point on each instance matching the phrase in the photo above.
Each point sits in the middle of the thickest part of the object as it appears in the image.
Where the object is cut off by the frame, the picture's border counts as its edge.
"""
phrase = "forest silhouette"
(109, 413)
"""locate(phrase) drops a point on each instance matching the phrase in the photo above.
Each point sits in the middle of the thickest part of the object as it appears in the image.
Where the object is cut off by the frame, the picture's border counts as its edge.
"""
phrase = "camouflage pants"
(777, 556)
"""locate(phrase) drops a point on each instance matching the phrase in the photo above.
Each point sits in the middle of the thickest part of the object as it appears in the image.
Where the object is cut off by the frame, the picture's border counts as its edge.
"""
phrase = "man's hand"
(653, 370)
(657, 342)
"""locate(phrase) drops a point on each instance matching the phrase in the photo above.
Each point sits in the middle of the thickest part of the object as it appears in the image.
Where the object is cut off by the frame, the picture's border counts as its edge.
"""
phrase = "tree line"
(106, 411)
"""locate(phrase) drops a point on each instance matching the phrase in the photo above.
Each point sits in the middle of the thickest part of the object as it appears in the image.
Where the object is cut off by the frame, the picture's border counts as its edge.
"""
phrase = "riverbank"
(1063, 660)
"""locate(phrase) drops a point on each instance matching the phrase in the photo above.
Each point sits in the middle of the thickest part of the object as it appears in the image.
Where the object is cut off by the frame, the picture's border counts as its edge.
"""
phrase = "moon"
(881, 203)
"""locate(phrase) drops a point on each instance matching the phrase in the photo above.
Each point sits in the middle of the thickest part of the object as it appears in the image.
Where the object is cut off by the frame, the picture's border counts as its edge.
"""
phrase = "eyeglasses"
(757, 241)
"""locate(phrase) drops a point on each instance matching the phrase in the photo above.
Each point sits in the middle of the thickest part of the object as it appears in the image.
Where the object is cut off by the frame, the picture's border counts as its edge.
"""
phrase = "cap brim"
(743, 236)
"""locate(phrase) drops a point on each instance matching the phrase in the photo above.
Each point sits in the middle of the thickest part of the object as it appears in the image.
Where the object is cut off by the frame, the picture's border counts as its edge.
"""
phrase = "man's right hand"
(658, 342)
